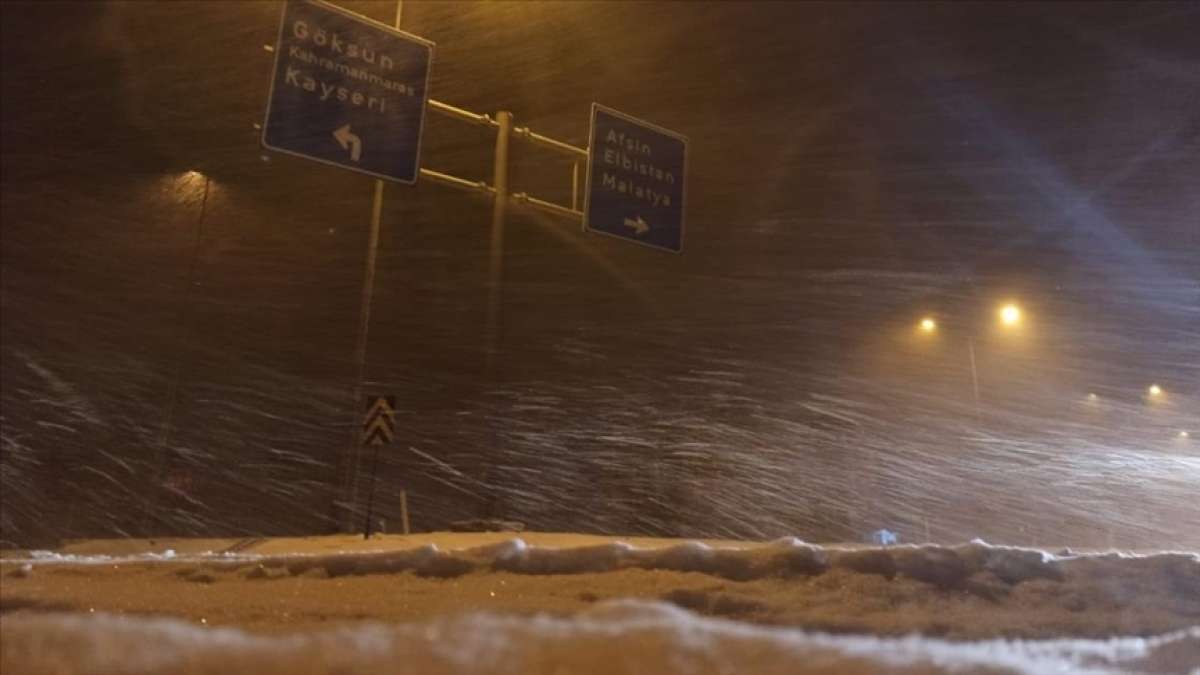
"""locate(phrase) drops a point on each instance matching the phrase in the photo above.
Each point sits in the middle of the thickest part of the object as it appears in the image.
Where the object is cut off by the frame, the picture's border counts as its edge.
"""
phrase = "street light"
(928, 326)
(1010, 315)
(1155, 390)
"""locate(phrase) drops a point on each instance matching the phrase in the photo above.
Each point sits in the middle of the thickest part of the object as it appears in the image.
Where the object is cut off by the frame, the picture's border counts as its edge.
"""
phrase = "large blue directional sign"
(635, 180)
(348, 91)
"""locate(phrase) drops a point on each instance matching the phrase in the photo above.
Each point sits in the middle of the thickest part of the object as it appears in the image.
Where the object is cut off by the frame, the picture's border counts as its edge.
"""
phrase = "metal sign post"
(351, 92)
(504, 121)
(379, 428)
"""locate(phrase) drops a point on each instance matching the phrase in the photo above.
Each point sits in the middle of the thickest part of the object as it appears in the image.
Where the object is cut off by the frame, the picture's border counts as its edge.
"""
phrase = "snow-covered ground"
(493, 603)
(613, 638)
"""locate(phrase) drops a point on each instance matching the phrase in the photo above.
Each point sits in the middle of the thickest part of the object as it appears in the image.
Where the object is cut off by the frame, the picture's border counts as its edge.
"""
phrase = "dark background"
(179, 359)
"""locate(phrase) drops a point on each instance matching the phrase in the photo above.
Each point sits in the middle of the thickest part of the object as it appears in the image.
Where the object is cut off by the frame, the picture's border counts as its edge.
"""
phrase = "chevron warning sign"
(379, 426)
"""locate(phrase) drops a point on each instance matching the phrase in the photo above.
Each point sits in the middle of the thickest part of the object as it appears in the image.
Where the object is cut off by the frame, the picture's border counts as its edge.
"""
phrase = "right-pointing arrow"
(345, 138)
(639, 226)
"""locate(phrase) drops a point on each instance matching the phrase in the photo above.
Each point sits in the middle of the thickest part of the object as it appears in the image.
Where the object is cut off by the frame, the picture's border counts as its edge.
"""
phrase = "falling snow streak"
(901, 163)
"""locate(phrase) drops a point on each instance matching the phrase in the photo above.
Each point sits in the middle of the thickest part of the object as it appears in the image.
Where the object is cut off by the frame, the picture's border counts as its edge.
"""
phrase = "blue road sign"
(348, 91)
(635, 180)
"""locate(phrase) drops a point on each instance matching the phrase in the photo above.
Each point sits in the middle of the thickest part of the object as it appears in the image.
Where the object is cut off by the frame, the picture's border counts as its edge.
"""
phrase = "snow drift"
(613, 638)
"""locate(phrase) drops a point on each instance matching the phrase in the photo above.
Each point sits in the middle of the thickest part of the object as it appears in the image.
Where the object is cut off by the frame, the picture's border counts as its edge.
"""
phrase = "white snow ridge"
(613, 638)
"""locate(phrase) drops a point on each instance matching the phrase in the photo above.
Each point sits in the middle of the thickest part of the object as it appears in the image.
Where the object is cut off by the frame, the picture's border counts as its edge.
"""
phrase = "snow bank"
(962, 566)
(976, 567)
(972, 590)
(169, 555)
(613, 638)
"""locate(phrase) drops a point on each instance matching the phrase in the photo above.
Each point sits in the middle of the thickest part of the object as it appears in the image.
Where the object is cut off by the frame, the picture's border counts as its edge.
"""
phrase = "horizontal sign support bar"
(455, 181)
(481, 187)
(551, 207)
(460, 114)
(520, 132)
(550, 143)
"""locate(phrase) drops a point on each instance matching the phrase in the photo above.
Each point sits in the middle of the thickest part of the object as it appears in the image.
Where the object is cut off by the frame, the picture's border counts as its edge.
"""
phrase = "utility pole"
(504, 130)
(974, 371)
(352, 459)
(187, 320)
(504, 121)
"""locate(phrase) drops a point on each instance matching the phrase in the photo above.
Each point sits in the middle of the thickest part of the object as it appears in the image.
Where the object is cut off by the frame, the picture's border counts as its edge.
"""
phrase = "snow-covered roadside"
(943, 566)
(612, 638)
(509, 606)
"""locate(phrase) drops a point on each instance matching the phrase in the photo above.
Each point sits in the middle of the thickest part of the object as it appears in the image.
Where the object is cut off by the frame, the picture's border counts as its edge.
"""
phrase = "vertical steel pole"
(352, 459)
(974, 372)
(187, 319)
(504, 120)
(504, 123)
(404, 509)
(367, 524)
(575, 186)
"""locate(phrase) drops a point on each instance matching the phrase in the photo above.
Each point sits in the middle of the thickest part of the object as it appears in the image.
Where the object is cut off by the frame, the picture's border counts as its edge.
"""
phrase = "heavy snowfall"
(939, 283)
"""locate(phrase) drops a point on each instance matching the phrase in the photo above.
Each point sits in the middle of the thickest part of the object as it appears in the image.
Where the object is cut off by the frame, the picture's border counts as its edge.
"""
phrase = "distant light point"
(1010, 315)
(1184, 434)
(1155, 390)
(928, 325)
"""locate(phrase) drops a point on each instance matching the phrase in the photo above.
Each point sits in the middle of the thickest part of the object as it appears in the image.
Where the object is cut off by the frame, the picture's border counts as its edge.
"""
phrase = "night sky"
(179, 359)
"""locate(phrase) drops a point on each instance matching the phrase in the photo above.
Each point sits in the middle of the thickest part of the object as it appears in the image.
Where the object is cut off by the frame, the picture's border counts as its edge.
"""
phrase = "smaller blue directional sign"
(635, 180)
(348, 91)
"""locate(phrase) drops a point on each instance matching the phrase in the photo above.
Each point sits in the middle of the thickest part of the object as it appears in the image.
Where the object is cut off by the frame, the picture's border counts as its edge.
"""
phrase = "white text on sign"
(631, 155)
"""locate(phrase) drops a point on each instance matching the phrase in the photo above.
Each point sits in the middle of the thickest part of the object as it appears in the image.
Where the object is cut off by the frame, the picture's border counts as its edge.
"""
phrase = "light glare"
(1010, 315)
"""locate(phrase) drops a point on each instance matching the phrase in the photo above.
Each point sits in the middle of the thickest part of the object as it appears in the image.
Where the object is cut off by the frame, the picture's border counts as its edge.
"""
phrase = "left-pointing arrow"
(346, 139)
